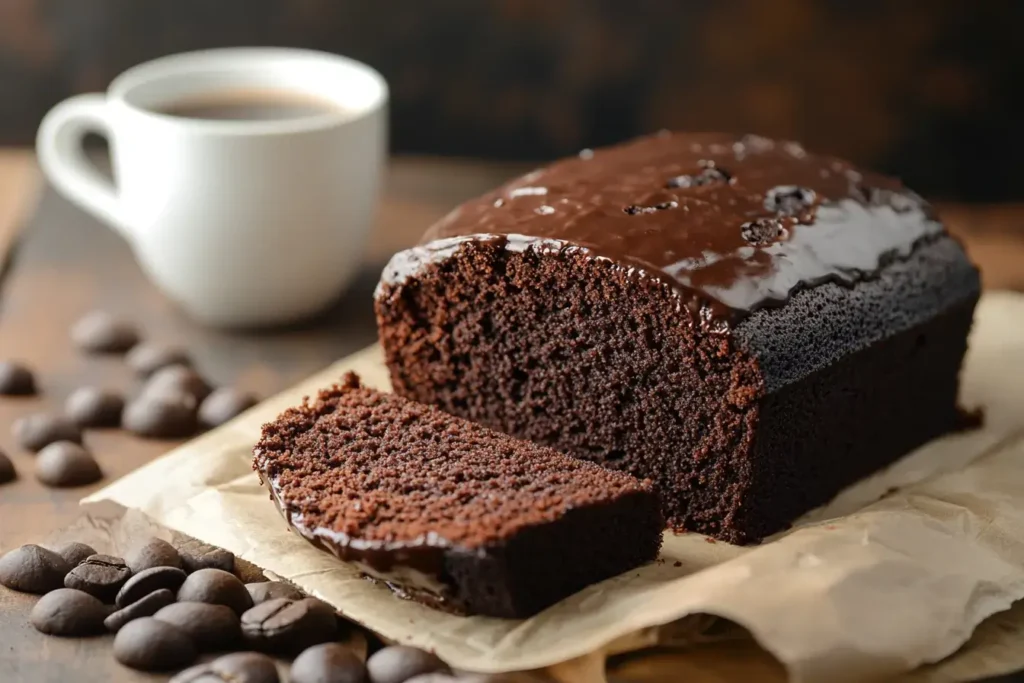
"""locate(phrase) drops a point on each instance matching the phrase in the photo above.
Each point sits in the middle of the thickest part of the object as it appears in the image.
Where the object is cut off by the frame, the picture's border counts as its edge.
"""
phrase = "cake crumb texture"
(377, 467)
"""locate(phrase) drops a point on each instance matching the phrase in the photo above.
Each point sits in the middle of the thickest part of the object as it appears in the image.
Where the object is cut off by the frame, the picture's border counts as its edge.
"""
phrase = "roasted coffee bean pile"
(170, 605)
(174, 401)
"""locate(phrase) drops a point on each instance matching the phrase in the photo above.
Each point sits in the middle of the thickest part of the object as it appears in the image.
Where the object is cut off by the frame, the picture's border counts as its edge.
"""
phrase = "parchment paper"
(860, 590)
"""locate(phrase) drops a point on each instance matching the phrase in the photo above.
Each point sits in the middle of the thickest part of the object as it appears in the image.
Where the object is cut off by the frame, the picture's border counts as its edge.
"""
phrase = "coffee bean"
(100, 332)
(93, 407)
(161, 416)
(68, 612)
(327, 663)
(269, 590)
(74, 552)
(7, 471)
(149, 644)
(216, 587)
(147, 581)
(399, 663)
(32, 569)
(224, 404)
(64, 464)
(240, 667)
(211, 627)
(176, 379)
(37, 431)
(16, 379)
(148, 357)
(203, 556)
(145, 606)
(153, 552)
(283, 625)
(100, 576)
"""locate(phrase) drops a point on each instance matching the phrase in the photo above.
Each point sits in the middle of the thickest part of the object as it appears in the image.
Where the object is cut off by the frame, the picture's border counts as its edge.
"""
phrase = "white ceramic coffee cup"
(242, 222)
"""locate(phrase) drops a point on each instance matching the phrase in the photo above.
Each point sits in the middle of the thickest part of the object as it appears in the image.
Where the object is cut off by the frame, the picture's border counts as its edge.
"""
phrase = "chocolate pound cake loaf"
(751, 326)
(449, 512)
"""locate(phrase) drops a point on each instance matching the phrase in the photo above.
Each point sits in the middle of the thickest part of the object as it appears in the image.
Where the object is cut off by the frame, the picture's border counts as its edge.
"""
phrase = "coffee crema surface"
(250, 105)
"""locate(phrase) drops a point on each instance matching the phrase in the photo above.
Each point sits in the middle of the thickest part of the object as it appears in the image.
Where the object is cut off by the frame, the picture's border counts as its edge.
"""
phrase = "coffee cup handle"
(64, 161)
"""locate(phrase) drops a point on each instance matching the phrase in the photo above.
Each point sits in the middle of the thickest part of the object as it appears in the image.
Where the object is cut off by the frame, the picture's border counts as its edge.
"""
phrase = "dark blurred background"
(927, 89)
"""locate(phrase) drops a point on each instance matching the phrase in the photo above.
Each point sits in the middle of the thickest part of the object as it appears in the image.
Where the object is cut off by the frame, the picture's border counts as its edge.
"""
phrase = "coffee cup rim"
(124, 88)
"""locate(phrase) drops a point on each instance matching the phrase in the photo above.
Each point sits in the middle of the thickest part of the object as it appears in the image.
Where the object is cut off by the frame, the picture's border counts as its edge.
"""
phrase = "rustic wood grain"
(19, 187)
(741, 660)
(994, 237)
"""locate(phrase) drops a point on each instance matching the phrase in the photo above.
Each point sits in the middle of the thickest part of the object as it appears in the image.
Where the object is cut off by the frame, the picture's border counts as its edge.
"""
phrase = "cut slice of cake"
(750, 325)
(449, 512)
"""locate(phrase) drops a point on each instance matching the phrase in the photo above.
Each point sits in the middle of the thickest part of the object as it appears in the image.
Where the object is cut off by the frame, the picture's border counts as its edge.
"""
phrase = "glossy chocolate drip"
(734, 224)
(416, 567)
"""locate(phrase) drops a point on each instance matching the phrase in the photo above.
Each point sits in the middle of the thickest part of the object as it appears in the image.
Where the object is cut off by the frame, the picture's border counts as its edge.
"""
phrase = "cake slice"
(449, 512)
(750, 325)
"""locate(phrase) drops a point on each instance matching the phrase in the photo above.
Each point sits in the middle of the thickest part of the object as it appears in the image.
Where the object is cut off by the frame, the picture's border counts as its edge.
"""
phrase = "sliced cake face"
(575, 353)
(750, 375)
(448, 511)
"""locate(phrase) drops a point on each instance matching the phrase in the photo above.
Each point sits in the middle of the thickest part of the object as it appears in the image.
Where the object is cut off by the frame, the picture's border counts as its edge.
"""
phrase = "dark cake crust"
(447, 511)
(745, 414)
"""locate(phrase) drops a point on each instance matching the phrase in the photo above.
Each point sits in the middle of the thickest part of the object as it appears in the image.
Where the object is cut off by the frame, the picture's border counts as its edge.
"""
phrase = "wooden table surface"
(60, 264)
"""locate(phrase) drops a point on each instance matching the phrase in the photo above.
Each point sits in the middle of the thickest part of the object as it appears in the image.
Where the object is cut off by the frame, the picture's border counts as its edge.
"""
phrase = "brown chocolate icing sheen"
(734, 223)
(405, 566)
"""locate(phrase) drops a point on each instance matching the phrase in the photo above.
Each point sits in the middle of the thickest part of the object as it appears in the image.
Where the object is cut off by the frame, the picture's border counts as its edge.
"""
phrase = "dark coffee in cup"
(250, 105)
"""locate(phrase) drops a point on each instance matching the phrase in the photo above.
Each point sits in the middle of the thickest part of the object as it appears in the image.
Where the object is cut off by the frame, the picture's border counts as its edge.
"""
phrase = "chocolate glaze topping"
(733, 223)
(407, 567)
